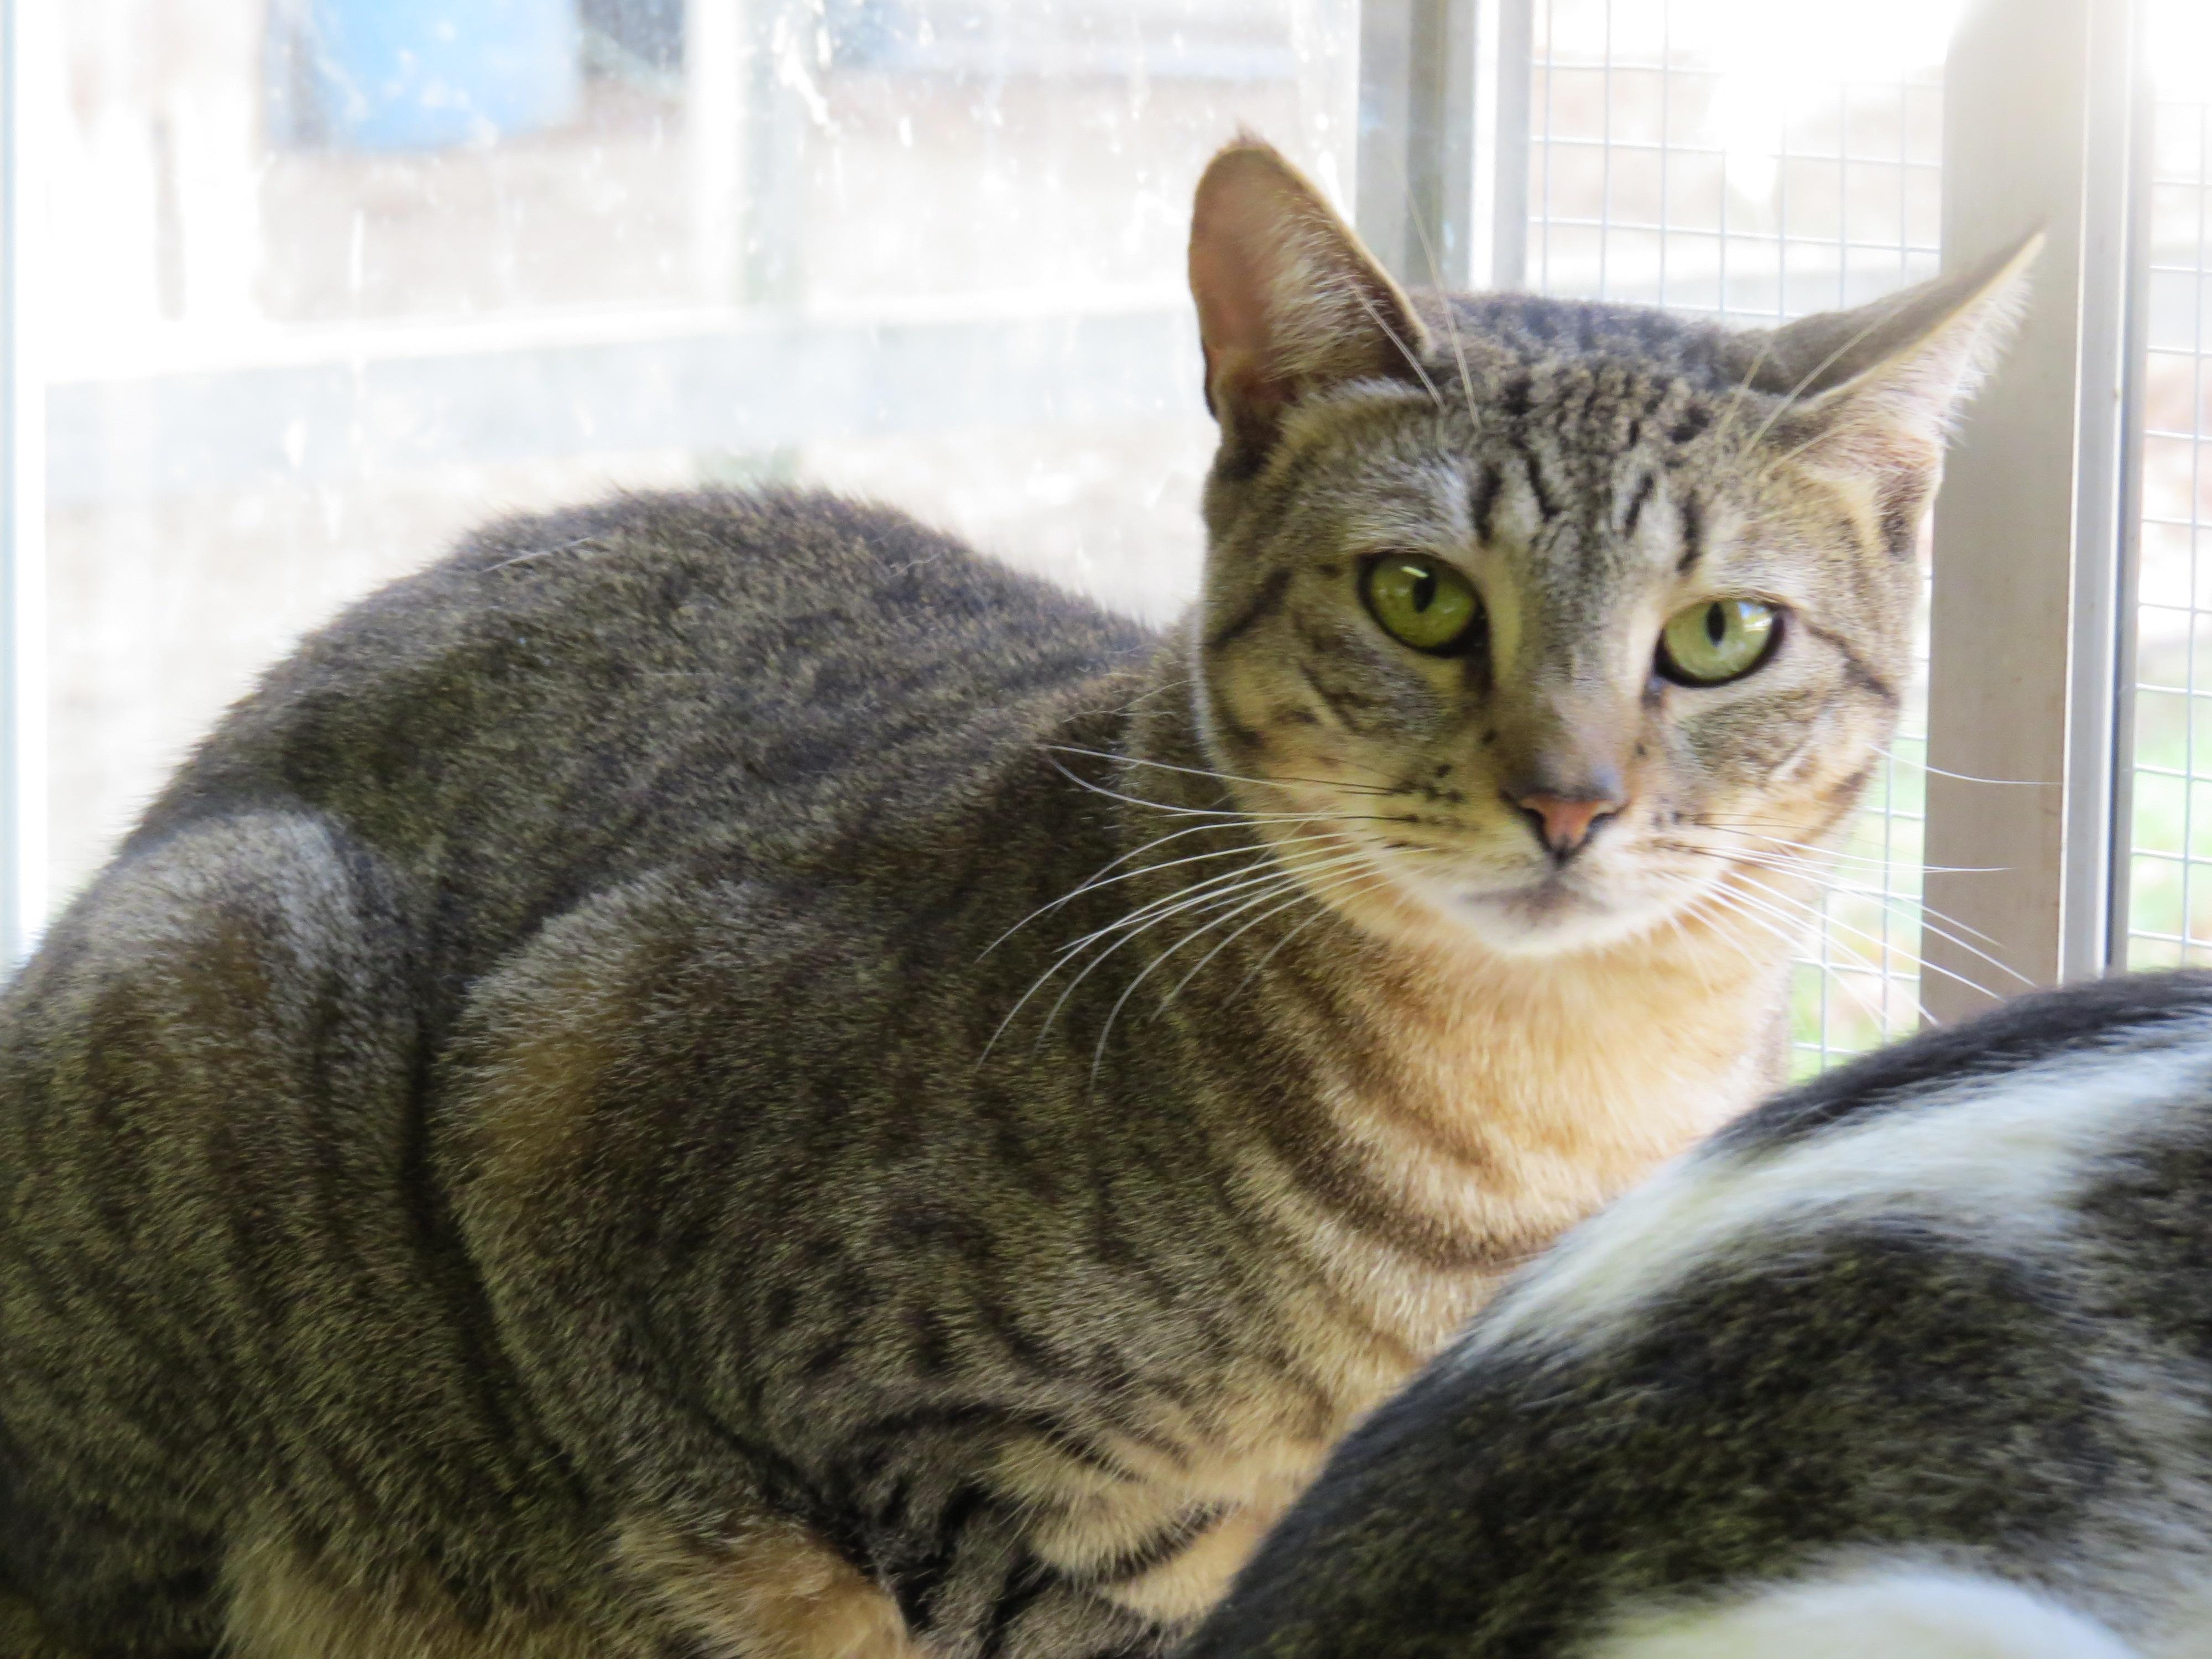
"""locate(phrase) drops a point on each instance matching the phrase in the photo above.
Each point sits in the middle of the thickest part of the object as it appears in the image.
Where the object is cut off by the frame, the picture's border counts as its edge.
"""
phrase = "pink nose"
(1566, 824)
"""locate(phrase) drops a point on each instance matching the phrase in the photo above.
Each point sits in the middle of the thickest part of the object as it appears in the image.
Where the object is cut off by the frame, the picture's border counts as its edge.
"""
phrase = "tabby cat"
(1914, 1362)
(719, 1074)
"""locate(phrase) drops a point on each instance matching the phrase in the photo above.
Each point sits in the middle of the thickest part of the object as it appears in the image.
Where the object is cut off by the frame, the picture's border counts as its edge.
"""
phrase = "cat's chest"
(1492, 1143)
(1510, 1126)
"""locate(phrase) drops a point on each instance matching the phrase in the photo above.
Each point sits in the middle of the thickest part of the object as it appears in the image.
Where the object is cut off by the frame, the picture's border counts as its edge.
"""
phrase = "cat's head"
(1542, 620)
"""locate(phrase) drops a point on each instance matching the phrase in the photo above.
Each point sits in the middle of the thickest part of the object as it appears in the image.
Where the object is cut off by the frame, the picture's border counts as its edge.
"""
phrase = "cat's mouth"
(1533, 908)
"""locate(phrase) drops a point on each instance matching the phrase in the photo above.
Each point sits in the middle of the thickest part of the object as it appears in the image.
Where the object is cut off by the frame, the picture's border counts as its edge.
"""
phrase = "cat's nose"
(1565, 824)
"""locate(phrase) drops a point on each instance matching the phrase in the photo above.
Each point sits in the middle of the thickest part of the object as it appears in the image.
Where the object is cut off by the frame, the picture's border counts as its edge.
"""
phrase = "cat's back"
(671, 668)
(749, 683)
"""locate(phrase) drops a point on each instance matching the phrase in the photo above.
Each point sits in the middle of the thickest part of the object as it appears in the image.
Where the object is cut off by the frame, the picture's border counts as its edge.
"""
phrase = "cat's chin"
(1546, 920)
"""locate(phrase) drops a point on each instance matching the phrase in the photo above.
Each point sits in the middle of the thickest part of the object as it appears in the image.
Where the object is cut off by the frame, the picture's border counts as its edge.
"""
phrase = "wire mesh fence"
(2169, 919)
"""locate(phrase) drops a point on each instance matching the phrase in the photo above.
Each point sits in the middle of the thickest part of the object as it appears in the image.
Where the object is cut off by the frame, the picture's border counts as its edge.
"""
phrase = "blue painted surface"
(395, 74)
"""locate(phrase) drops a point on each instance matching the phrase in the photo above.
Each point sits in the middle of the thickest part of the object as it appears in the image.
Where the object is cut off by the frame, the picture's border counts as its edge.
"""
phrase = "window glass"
(334, 279)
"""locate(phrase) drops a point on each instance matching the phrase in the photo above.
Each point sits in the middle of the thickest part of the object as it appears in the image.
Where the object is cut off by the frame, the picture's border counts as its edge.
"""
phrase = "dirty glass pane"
(333, 279)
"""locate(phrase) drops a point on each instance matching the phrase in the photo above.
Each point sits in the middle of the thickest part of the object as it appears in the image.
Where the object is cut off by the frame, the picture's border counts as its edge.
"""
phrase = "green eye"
(1716, 641)
(1424, 603)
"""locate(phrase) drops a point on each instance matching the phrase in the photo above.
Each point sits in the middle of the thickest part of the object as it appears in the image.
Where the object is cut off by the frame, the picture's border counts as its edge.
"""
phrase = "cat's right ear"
(1289, 302)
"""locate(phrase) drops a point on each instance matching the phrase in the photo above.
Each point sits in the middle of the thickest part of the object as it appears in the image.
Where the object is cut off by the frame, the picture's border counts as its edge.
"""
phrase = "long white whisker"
(1098, 1054)
(1404, 351)
(1319, 895)
(1827, 919)
(1210, 890)
(1276, 884)
(1896, 759)
(1794, 939)
(1207, 772)
(1228, 814)
(1099, 879)
(1932, 920)
(1451, 322)
(1211, 895)
(1220, 885)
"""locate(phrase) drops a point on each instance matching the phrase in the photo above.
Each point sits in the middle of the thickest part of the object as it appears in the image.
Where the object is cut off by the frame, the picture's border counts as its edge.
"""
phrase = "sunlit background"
(331, 280)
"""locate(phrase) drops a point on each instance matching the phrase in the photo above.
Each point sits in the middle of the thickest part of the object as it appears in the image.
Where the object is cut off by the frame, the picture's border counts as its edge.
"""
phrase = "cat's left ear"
(1289, 302)
(1877, 390)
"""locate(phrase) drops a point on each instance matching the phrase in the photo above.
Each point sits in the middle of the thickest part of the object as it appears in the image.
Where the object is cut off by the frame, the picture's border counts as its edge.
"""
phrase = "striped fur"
(1916, 1360)
(575, 1124)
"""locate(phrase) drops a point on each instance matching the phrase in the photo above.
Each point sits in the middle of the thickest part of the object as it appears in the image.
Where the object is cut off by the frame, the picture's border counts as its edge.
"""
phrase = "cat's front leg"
(775, 1589)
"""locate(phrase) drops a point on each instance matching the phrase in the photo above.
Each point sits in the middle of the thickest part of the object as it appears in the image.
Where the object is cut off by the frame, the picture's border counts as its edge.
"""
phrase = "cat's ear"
(1878, 390)
(1289, 302)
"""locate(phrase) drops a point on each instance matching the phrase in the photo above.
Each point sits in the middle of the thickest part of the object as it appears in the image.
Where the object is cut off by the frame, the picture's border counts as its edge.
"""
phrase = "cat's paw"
(771, 1589)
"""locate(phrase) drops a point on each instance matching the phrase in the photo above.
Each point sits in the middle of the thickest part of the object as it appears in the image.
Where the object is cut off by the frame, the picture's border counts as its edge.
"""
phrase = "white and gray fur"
(1915, 1361)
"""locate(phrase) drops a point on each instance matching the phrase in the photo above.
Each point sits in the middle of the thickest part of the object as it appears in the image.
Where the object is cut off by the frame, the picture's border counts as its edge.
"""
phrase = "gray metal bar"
(2141, 119)
(22, 515)
(2024, 666)
(1415, 194)
(1504, 50)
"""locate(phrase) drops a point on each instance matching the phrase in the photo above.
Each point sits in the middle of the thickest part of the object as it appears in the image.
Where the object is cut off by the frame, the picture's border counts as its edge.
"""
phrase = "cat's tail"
(1903, 1611)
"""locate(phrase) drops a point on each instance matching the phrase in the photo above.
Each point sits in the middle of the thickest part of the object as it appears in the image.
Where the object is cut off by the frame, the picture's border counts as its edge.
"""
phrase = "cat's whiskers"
(1223, 813)
(1361, 880)
(1451, 323)
(1296, 877)
(1707, 905)
(1303, 893)
(1813, 912)
(1215, 892)
(1225, 777)
(1190, 894)
(1324, 910)
(1820, 916)
(1918, 905)
(1896, 759)
(1222, 884)
(1931, 919)
(1271, 885)
(1412, 359)
(1791, 937)
(1101, 880)
(1802, 917)
(1808, 869)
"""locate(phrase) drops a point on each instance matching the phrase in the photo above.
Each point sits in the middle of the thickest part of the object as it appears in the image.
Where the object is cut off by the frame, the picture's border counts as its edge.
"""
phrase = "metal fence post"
(2033, 532)
(1415, 194)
